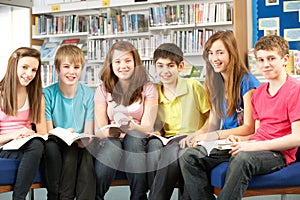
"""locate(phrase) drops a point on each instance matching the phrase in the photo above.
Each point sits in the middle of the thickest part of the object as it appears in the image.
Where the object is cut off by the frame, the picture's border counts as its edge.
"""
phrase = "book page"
(217, 144)
(17, 143)
(165, 140)
(67, 136)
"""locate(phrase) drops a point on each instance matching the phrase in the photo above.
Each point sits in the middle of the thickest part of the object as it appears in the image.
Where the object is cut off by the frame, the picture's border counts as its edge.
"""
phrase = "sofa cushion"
(8, 171)
(288, 176)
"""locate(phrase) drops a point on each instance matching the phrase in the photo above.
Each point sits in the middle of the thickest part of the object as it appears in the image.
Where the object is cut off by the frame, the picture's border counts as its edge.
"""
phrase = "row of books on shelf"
(114, 23)
(191, 13)
(49, 48)
(292, 67)
(117, 23)
(190, 41)
(48, 74)
(65, 24)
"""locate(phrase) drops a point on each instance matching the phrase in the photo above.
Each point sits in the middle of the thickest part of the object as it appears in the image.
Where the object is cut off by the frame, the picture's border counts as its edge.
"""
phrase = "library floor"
(122, 193)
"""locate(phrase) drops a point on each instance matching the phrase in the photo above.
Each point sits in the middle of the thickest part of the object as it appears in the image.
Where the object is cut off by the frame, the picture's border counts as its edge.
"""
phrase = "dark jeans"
(245, 165)
(29, 155)
(196, 166)
(168, 174)
(128, 156)
(134, 161)
(108, 156)
(69, 171)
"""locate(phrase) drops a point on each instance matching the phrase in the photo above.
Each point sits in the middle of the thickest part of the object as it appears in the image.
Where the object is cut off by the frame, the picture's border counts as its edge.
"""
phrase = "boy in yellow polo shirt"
(183, 109)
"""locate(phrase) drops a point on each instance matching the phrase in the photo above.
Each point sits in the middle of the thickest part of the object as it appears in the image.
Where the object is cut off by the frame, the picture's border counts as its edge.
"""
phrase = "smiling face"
(270, 63)
(167, 70)
(123, 64)
(218, 56)
(26, 70)
(69, 72)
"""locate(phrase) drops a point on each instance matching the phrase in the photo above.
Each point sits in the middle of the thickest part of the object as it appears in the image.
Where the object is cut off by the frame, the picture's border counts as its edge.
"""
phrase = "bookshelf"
(160, 21)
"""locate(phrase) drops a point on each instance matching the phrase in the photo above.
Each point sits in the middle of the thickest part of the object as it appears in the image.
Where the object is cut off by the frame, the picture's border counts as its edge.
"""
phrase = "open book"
(215, 144)
(67, 136)
(165, 140)
(120, 119)
(17, 143)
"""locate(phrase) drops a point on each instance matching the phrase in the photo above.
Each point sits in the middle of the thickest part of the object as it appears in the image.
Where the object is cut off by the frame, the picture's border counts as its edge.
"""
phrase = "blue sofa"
(284, 181)
(8, 171)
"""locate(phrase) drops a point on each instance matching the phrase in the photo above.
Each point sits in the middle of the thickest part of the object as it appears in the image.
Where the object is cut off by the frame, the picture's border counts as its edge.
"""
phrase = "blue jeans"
(29, 155)
(195, 166)
(134, 164)
(108, 156)
(168, 174)
(130, 159)
(154, 148)
(245, 165)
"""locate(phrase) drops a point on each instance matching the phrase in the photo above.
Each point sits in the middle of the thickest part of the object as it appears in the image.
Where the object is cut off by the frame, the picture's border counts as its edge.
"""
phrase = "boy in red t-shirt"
(276, 111)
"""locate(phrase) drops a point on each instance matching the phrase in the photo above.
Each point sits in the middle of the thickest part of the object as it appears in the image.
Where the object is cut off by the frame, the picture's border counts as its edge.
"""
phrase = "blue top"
(248, 82)
(69, 112)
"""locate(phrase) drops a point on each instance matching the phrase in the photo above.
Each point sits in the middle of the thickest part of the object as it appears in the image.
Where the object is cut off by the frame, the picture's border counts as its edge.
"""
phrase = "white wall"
(15, 32)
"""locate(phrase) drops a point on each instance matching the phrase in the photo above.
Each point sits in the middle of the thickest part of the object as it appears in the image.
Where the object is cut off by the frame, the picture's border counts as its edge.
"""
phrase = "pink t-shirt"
(276, 113)
(11, 123)
(134, 110)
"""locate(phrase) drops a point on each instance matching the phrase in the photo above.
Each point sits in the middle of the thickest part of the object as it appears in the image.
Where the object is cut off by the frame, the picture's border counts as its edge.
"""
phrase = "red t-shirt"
(276, 113)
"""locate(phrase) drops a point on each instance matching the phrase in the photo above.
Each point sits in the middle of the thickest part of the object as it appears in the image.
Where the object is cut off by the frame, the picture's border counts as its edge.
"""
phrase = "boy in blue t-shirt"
(69, 170)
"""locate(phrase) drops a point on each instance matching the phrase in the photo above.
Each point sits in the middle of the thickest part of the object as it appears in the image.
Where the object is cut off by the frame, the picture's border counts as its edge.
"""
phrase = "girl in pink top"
(125, 89)
(21, 104)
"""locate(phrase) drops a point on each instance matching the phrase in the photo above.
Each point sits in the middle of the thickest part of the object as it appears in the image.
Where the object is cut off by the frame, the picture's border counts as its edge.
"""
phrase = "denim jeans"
(128, 156)
(134, 164)
(168, 174)
(108, 156)
(29, 155)
(70, 170)
(196, 166)
(245, 165)
(154, 148)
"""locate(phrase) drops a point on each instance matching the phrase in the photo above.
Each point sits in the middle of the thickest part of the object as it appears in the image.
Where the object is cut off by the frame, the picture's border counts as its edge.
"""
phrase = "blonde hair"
(72, 52)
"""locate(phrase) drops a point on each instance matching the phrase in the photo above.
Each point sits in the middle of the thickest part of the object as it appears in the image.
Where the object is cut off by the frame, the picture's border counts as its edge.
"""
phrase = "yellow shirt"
(185, 114)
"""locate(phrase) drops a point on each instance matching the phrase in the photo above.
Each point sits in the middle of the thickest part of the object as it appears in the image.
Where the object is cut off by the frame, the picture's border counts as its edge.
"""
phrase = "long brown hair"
(214, 81)
(138, 79)
(9, 85)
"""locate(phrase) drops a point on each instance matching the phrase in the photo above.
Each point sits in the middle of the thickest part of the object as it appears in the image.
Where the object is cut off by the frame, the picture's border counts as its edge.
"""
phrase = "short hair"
(168, 51)
(72, 52)
(272, 42)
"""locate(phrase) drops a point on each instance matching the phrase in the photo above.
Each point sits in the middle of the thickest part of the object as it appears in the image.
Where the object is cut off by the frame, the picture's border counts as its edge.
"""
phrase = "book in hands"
(215, 144)
(67, 136)
(18, 143)
(168, 140)
(120, 119)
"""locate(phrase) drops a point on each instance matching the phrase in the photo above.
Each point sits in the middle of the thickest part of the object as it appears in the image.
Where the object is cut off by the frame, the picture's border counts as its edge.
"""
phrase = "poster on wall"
(270, 26)
(292, 34)
(272, 2)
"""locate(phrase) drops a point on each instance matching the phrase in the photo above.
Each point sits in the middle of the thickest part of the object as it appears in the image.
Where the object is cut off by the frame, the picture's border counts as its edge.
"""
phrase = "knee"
(188, 157)
(154, 145)
(36, 146)
(135, 144)
(51, 149)
(240, 159)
